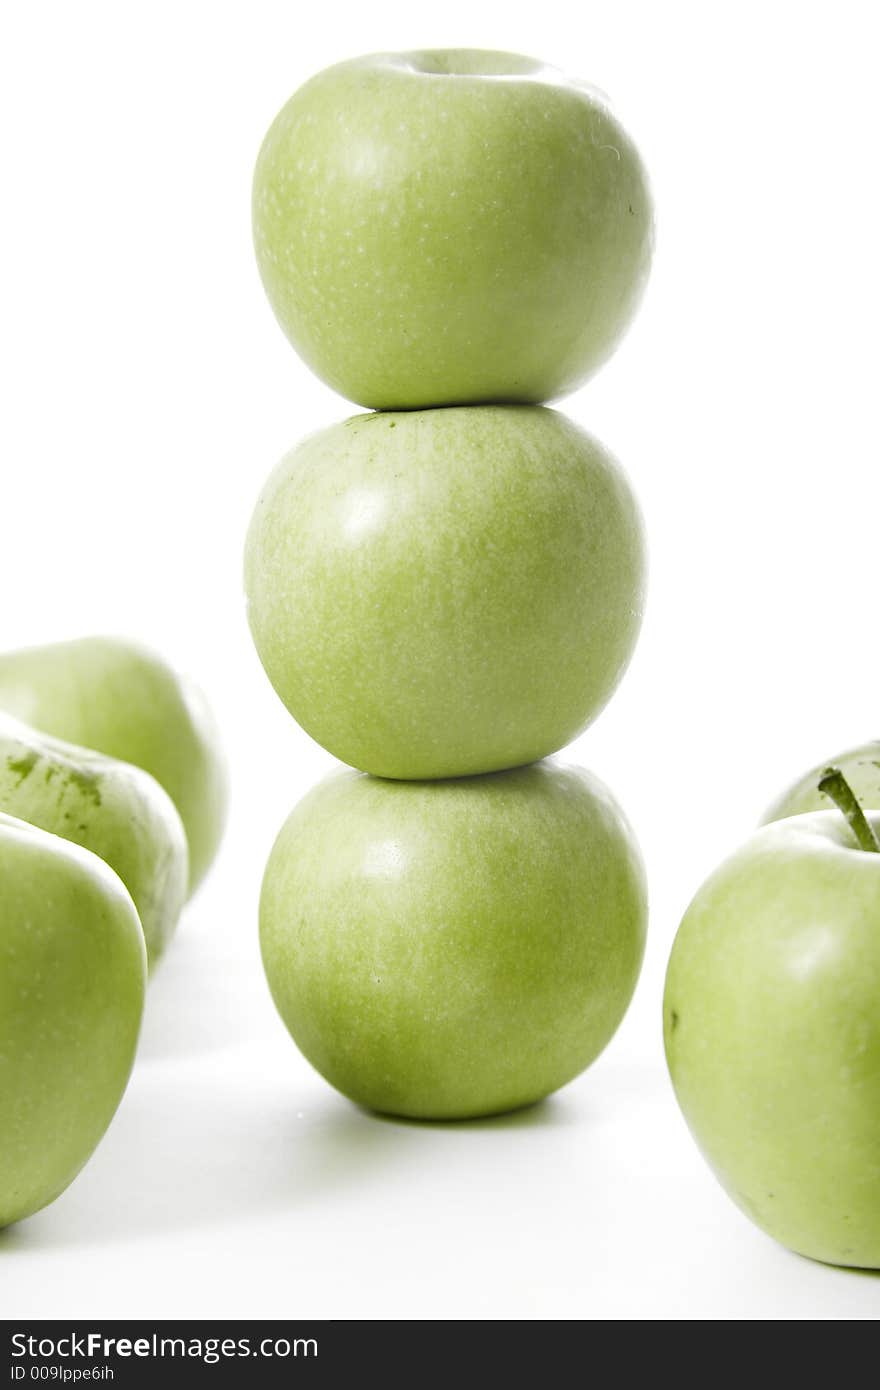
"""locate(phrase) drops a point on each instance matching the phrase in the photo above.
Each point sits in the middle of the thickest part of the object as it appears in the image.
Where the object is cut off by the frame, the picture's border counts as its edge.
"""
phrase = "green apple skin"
(452, 949)
(451, 228)
(114, 809)
(446, 592)
(861, 768)
(126, 702)
(772, 1032)
(72, 978)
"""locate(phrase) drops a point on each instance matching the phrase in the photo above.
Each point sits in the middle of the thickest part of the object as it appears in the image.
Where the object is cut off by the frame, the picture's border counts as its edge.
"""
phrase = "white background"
(147, 391)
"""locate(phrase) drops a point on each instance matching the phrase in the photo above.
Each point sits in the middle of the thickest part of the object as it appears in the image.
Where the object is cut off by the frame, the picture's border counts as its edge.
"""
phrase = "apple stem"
(834, 785)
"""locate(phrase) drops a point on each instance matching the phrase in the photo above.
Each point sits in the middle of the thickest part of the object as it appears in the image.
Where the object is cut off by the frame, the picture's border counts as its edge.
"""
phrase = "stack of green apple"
(112, 803)
(446, 590)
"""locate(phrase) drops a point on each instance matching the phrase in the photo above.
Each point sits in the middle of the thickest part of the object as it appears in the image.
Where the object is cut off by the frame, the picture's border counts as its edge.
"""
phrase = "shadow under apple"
(189, 1150)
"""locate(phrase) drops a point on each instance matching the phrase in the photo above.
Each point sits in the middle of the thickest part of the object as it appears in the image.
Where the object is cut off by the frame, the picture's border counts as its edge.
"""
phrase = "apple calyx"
(837, 788)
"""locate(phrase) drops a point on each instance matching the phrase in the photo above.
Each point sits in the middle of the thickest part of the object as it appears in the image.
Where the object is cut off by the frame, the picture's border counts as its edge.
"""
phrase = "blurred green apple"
(450, 227)
(124, 701)
(116, 810)
(772, 1031)
(459, 948)
(72, 974)
(860, 766)
(444, 592)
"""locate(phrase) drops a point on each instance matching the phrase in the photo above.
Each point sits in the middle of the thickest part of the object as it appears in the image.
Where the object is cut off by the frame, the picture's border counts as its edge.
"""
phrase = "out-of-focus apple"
(72, 977)
(115, 809)
(861, 768)
(125, 701)
(772, 1029)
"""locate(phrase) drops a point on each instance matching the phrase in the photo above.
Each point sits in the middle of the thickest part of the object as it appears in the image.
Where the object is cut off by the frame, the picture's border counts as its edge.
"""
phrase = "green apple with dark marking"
(125, 701)
(860, 766)
(450, 949)
(114, 809)
(444, 592)
(451, 227)
(772, 1028)
(72, 977)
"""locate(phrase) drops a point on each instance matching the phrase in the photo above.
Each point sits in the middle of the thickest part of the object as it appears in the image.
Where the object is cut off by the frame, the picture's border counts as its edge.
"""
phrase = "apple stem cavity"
(834, 785)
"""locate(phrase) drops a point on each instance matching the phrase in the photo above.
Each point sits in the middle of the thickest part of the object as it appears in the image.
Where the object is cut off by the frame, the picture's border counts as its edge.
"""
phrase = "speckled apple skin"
(453, 949)
(445, 592)
(861, 768)
(125, 701)
(772, 1030)
(114, 809)
(72, 978)
(446, 228)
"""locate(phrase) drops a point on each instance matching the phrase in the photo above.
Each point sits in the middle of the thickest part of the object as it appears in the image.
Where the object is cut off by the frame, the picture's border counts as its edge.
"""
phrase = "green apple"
(445, 592)
(772, 1031)
(116, 810)
(452, 949)
(72, 974)
(451, 227)
(860, 766)
(123, 700)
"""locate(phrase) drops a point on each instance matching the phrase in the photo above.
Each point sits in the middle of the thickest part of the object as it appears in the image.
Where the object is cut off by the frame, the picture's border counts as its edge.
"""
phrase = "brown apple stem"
(834, 785)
